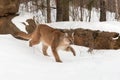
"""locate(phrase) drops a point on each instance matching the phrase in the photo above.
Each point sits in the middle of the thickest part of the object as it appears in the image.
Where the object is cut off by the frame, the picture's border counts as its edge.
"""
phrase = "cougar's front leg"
(44, 49)
(69, 48)
(56, 56)
(54, 46)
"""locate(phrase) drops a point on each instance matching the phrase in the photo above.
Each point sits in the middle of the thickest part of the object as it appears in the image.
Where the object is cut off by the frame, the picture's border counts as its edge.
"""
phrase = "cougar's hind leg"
(44, 49)
(71, 49)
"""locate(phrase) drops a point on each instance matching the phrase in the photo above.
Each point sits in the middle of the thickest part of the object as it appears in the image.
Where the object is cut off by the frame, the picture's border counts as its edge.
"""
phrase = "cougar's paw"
(59, 61)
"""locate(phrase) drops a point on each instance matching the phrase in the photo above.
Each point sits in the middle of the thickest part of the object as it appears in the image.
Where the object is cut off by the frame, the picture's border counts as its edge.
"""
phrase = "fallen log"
(95, 39)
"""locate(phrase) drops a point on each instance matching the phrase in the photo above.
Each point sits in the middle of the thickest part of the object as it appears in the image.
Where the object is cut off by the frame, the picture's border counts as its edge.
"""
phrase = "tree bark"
(116, 9)
(81, 10)
(62, 10)
(102, 10)
(48, 11)
(59, 10)
(65, 11)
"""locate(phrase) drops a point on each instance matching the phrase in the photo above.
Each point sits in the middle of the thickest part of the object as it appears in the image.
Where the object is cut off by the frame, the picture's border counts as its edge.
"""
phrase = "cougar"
(49, 36)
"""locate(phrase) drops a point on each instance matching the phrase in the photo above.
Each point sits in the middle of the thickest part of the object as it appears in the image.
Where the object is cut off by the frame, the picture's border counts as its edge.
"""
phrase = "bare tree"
(81, 9)
(89, 7)
(62, 10)
(59, 10)
(65, 10)
(102, 10)
(48, 11)
(116, 9)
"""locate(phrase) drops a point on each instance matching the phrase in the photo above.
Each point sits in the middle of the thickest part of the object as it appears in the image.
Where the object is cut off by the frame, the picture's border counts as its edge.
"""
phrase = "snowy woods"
(72, 10)
(96, 27)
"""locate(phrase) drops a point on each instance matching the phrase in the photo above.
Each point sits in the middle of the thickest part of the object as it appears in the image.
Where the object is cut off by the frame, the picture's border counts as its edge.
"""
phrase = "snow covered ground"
(18, 61)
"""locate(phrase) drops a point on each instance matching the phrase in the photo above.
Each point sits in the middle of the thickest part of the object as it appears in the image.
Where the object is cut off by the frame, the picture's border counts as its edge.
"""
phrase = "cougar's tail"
(24, 35)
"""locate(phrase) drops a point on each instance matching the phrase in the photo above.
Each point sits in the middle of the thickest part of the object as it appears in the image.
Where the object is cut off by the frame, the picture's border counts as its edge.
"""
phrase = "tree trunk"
(89, 6)
(81, 10)
(59, 10)
(62, 10)
(89, 13)
(65, 11)
(102, 10)
(48, 12)
(116, 9)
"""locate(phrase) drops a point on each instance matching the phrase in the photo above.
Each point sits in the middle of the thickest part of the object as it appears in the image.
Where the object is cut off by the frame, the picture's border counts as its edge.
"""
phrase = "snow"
(18, 61)
(110, 26)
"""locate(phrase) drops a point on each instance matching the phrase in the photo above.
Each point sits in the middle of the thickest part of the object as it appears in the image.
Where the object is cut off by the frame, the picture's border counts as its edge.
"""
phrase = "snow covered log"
(95, 39)
(8, 7)
(7, 27)
(8, 10)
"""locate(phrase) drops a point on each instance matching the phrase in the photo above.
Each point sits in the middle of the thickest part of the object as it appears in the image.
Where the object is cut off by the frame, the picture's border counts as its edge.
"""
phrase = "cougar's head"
(68, 38)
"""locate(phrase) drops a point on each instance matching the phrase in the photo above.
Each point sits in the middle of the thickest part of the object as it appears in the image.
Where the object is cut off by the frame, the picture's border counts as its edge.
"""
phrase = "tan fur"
(49, 37)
